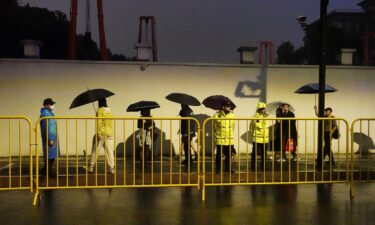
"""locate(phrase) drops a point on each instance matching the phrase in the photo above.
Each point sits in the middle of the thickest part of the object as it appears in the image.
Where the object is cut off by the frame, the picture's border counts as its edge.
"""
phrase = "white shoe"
(295, 159)
(89, 169)
(281, 160)
(111, 171)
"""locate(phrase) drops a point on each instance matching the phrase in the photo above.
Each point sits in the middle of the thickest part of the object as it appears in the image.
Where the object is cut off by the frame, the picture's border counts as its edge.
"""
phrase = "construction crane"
(73, 28)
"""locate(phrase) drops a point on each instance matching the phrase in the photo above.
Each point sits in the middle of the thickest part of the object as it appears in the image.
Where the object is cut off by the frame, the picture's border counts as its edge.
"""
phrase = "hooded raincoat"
(260, 128)
(48, 128)
(224, 129)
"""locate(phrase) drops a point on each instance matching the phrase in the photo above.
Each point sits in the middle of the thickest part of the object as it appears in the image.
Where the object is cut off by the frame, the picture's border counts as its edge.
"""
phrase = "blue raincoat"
(52, 133)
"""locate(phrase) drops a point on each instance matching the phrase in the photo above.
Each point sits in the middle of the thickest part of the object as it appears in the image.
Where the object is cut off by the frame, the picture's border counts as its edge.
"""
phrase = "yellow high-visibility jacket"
(224, 129)
(104, 126)
(260, 129)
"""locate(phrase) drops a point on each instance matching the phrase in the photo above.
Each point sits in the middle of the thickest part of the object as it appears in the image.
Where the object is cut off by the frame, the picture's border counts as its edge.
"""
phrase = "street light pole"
(322, 75)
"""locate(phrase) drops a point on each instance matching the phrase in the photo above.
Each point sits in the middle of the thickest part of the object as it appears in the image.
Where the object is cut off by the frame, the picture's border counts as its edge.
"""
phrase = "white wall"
(25, 83)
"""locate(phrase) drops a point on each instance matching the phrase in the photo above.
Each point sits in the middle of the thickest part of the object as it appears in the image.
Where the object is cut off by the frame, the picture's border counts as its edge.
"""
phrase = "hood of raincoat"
(261, 105)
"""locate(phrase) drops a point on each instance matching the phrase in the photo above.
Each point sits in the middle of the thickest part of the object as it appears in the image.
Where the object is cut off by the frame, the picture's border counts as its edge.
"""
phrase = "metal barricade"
(363, 149)
(16, 165)
(250, 164)
(146, 153)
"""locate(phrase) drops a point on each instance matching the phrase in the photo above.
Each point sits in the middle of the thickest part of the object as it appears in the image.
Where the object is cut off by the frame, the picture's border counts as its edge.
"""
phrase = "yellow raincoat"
(224, 129)
(260, 128)
(104, 126)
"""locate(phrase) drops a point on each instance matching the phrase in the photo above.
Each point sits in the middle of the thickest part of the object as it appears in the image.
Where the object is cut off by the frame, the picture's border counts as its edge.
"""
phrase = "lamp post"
(322, 76)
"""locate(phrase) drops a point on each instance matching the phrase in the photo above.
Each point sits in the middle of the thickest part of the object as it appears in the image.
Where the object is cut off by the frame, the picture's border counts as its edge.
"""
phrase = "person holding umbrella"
(260, 131)
(146, 135)
(187, 131)
(224, 136)
(103, 137)
(187, 127)
(48, 128)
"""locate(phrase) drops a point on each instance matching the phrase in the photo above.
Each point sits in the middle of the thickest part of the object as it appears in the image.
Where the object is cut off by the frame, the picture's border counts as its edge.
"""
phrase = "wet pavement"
(280, 204)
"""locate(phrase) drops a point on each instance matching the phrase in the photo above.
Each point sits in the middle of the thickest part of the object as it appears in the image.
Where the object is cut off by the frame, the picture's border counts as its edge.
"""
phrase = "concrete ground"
(280, 204)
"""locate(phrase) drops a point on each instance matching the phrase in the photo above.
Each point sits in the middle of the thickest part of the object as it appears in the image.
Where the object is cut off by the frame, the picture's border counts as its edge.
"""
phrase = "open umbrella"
(273, 106)
(138, 106)
(90, 96)
(184, 99)
(217, 101)
(313, 88)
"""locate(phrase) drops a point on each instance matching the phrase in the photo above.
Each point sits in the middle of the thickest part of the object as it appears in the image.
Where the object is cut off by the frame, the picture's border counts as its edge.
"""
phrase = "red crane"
(73, 30)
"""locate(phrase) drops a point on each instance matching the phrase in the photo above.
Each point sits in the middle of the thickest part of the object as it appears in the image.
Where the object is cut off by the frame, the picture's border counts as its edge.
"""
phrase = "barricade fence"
(149, 152)
(363, 149)
(16, 167)
(138, 152)
(275, 151)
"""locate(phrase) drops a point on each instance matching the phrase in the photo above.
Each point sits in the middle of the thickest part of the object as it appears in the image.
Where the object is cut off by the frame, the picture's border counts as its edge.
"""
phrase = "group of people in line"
(285, 136)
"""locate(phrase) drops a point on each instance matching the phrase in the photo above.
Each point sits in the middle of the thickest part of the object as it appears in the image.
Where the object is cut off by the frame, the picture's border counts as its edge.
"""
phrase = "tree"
(286, 53)
(50, 27)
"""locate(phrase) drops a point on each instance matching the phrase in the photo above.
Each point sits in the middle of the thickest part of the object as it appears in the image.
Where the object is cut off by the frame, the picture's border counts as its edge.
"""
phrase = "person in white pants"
(103, 138)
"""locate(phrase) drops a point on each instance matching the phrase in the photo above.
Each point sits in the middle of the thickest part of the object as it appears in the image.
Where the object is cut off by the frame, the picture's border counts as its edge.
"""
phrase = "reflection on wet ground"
(281, 204)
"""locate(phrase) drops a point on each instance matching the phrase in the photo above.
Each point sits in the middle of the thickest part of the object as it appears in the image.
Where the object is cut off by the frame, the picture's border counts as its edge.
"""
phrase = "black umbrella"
(216, 102)
(183, 99)
(90, 96)
(313, 88)
(138, 106)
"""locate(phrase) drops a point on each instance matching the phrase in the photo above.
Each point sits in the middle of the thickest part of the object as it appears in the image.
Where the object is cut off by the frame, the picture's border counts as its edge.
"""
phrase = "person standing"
(48, 128)
(145, 136)
(224, 137)
(288, 132)
(260, 132)
(103, 137)
(187, 131)
(329, 127)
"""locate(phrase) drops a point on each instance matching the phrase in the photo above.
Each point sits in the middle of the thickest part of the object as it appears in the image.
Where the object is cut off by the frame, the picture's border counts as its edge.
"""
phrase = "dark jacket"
(186, 124)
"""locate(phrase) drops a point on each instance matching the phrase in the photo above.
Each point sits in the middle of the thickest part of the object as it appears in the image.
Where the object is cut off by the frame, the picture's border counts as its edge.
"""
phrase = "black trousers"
(326, 150)
(258, 149)
(225, 150)
(186, 140)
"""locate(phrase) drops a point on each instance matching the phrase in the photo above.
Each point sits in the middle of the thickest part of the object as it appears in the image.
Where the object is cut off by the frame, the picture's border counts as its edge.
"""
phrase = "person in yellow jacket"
(224, 137)
(103, 137)
(260, 133)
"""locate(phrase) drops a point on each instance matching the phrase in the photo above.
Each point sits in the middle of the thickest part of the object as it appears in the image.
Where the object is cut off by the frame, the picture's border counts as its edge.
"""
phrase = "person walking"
(224, 137)
(260, 132)
(288, 133)
(187, 131)
(145, 136)
(103, 137)
(48, 128)
(329, 127)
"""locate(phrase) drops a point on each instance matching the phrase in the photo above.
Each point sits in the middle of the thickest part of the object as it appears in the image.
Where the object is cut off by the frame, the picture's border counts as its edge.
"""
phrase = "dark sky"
(199, 30)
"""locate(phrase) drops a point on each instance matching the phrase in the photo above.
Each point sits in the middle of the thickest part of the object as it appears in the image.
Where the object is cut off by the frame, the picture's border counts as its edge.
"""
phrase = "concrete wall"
(25, 83)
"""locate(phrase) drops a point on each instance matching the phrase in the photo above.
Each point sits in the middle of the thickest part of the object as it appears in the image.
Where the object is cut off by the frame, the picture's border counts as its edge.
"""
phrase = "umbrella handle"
(91, 102)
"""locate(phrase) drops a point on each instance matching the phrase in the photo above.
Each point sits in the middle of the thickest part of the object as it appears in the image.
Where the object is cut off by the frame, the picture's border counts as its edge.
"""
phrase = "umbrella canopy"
(273, 106)
(216, 102)
(313, 88)
(184, 99)
(90, 96)
(138, 106)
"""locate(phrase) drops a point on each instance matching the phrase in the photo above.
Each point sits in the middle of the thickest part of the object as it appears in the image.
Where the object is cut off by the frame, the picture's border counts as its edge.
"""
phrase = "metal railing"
(145, 153)
(16, 160)
(277, 165)
(362, 147)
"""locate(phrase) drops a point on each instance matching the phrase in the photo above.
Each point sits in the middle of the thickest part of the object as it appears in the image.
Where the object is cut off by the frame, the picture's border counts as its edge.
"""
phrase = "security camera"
(301, 19)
